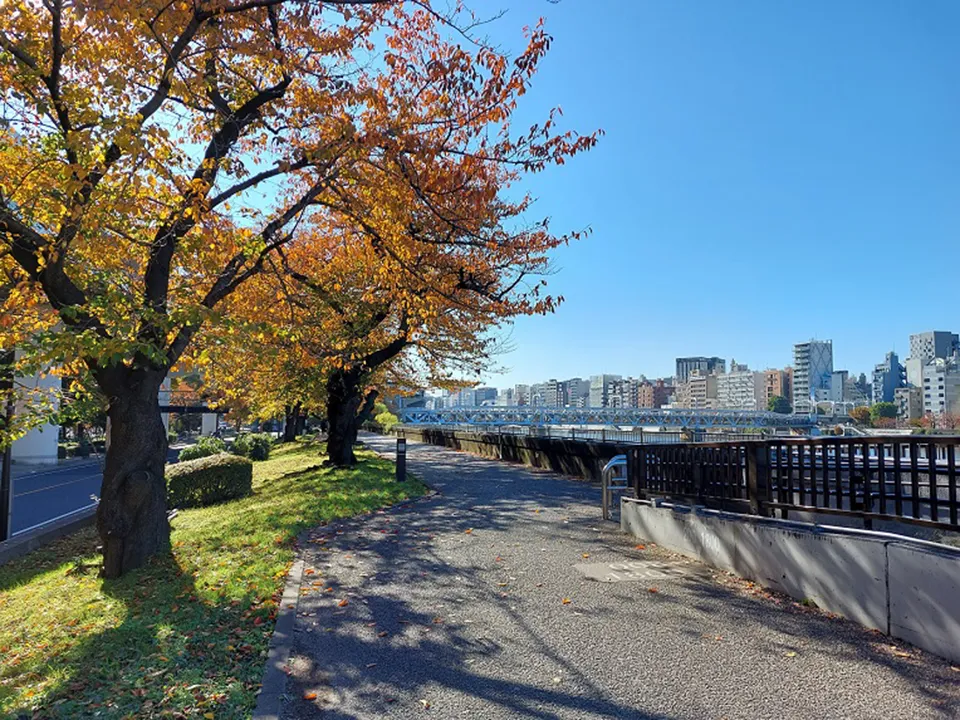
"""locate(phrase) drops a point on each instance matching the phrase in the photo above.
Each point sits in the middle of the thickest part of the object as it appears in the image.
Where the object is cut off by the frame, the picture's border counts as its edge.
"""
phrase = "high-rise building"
(505, 398)
(706, 366)
(699, 391)
(934, 344)
(600, 389)
(887, 377)
(654, 394)
(577, 392)
(776, 383)
(538, 394)
(941, 386)
(812, 374)
(624, 393)
(485, 396)
(521, 395)
(909, 402)
(741, 389)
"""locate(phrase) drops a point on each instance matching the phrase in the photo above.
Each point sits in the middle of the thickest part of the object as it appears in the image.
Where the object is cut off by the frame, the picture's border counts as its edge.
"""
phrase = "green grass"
(187, 635)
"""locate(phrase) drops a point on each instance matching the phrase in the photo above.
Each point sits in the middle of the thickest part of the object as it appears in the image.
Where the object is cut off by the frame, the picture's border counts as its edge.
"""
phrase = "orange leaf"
(641, 547)
(566, 601)
(310, 696)
(586, 555)
(652, 590)
(468, 531)
(343, 603)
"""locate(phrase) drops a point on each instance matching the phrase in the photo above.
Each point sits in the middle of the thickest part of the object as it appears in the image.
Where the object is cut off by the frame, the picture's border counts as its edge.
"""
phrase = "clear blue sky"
(771, 171)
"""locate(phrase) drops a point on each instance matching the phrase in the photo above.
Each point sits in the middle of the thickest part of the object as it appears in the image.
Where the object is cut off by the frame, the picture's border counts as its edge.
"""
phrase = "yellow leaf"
(566, 601)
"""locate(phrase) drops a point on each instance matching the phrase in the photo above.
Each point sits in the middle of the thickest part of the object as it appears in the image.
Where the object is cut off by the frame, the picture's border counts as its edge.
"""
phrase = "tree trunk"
(132, 516)
(301, 423)
(343, 401)
(291, 417)
(347, 409)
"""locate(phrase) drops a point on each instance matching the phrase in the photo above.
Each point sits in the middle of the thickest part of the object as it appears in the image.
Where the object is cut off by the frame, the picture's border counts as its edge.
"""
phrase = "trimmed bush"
(205, 447)
(208, 480)
(255, 446)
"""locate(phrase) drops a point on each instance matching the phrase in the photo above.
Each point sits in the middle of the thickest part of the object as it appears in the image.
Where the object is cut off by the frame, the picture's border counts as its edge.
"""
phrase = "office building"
(742, 389)
(600, 389)
(909, 402)
(654, 394)
(941, 386)
(521, 395)
(705, 365)
(812, 374)
(577, 392)
(934, 344)
(699, 392)
(887, 377)
(777, 383)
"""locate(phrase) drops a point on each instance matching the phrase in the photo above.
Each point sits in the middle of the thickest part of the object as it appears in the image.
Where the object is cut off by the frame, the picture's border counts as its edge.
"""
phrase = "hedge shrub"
(205, 447)
(208, 480)
(255, 446)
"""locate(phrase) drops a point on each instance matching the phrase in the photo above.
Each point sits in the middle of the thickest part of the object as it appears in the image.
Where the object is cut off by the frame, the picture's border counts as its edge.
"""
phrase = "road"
(42, 493)
(474, 603)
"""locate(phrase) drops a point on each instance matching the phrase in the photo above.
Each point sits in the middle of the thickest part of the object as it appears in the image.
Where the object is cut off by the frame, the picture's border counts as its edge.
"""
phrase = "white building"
(941, 386)
(600, 386)
(812, 372)
(741, 390)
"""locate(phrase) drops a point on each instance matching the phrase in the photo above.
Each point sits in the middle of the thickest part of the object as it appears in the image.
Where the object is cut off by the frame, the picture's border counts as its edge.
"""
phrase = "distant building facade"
(600, 386)
(741, 389)
(777, 383)
(812, 374)
(888, 376)
(699, 392)
(705, 365)
(909, 402)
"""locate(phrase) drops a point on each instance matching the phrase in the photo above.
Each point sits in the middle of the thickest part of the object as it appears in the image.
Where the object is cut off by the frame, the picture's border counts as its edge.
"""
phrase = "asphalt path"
(44, 493)
(469, 604)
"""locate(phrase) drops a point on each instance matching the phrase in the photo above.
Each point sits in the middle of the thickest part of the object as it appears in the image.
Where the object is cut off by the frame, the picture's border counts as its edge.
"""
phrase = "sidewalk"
(468, 605)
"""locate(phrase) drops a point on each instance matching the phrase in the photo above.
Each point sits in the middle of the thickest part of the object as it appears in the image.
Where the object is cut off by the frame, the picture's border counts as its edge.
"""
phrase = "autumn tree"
(157, 154)
(861, 415)
(418, 260)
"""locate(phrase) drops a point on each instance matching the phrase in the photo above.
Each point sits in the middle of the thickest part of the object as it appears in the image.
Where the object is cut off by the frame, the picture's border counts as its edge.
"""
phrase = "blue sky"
(771, 172)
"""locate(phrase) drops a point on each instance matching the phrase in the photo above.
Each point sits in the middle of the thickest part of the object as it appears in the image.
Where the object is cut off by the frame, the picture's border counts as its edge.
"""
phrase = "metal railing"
(606, 435)
(614, 479)
(905, 479)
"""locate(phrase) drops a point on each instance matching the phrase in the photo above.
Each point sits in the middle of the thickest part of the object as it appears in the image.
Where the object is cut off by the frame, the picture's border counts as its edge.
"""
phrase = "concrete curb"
(44, 534)
(274, 684)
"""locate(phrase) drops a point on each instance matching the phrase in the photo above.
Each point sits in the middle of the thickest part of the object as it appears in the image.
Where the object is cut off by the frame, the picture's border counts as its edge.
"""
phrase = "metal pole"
(6, 483)
(401, 459)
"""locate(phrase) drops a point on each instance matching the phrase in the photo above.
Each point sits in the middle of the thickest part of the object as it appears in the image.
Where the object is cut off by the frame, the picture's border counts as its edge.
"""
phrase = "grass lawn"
(185, 636)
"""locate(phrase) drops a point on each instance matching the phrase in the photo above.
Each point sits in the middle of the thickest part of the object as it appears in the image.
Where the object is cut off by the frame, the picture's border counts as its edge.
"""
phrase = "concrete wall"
(909, 589)
(568, 457)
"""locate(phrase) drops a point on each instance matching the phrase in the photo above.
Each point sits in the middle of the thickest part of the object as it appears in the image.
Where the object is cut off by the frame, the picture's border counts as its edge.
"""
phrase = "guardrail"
(877, 478)
(605, 435)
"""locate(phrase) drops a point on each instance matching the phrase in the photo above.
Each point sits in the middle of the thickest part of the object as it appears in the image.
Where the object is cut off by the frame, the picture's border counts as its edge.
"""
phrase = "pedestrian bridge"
(684, 418)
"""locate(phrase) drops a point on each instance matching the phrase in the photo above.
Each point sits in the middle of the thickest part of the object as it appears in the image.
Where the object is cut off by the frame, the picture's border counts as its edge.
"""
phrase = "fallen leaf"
(468, 531)
(310, 696)
(438, 621)
(640, 547)
(791, 654)
(653, 590)
(343, 603)
(566, 601)
(309, 571)
(426, 704)
(586, 555)
(209, 716)
(382, 633)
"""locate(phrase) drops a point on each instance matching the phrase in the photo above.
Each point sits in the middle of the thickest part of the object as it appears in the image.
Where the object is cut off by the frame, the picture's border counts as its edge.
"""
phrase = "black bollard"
(401, 459)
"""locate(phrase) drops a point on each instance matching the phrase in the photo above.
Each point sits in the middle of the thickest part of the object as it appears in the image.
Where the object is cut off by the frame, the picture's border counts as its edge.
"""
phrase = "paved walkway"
(468, 605)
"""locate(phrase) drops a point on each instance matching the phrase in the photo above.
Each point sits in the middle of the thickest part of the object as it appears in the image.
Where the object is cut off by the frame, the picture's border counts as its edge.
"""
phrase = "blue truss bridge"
(676, 418)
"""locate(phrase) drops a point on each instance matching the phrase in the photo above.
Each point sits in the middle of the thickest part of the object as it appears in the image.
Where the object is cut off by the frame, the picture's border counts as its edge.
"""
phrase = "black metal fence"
(902, 478)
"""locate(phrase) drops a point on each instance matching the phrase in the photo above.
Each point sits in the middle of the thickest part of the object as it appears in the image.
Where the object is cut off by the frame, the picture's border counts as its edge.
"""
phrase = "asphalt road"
(42, 493)
(468, 604)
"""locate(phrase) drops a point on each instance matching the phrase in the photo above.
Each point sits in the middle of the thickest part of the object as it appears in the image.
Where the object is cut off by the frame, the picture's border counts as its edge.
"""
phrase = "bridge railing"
(904, 479)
